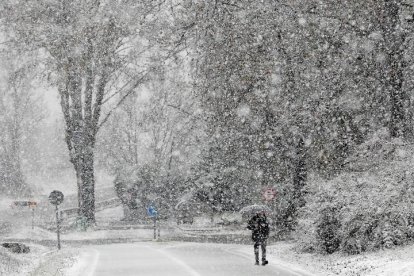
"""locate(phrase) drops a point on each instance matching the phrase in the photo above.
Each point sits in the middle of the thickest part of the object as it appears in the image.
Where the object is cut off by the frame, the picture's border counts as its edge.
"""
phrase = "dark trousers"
(256, 249)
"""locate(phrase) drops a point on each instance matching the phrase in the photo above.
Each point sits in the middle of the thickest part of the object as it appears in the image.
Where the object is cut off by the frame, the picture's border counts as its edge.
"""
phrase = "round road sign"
(56, 197)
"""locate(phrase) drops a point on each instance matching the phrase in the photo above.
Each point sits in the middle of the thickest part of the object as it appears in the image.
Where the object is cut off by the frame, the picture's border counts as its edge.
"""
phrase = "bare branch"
(127, 93)
(180, 109)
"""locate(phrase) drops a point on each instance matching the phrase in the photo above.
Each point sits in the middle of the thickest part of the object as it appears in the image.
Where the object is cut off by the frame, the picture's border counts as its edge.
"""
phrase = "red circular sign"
(269, 194)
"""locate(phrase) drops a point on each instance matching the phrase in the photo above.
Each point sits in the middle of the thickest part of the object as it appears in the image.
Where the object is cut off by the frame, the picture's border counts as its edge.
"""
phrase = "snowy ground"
(174, 258)
(46, 260)
(390, 262)
(399, 261)
(23, 264)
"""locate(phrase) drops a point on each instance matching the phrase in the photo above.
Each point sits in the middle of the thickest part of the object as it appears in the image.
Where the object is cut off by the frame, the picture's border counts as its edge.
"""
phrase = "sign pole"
(155, 227)
(152, 213)
(33, 218)
(31, 204)
(57, 227)
(56, 198)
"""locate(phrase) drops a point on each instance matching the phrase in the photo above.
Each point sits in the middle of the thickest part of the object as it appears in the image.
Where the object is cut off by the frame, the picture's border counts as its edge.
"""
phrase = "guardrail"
(99, 206)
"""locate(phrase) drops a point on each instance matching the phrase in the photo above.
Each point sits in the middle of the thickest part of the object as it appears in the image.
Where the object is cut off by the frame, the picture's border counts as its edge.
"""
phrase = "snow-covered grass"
(56, 263)
(20, 264)
(9, 264)
(35, 234)
(398, 261)
(110, 214)
(127, 234)
(39, 234)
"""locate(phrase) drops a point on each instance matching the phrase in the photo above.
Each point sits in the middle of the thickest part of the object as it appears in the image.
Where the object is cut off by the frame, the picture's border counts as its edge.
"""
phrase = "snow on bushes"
(327, 230)
(367, 207)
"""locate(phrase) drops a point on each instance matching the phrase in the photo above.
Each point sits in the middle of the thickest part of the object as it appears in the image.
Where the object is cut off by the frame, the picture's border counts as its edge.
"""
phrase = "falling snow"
(162, 120)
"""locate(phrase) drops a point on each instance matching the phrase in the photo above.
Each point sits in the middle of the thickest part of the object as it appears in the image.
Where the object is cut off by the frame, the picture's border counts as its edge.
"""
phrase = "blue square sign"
(151, 211)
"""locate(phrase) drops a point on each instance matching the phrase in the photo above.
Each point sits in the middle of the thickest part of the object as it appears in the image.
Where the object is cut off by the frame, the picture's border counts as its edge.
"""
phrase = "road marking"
(180, 262)
(94, 263)
(49, 252)
(87, 264)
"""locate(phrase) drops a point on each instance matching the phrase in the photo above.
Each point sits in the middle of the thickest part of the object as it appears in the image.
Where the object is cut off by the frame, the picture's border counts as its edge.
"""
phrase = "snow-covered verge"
(398, 261)
(34, 234)
(41, 261)
(20, 264)
(57, 263)
(9, 264)
(41, 235)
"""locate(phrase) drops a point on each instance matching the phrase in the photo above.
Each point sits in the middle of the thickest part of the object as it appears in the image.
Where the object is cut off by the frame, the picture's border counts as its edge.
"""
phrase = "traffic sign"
(22, 203)
(269, 194)
(151, 211)
(56, 197)
(32, 204)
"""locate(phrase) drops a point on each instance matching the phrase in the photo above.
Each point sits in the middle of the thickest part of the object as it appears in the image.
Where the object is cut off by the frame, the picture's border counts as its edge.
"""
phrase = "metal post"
(58, 227)
(32, 218)
(155, 228)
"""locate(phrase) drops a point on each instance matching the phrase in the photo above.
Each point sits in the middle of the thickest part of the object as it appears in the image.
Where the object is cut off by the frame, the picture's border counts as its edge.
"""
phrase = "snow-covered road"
(152, 258)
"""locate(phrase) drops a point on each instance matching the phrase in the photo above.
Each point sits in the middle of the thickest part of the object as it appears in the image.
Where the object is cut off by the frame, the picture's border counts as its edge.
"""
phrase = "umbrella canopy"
(254, 209)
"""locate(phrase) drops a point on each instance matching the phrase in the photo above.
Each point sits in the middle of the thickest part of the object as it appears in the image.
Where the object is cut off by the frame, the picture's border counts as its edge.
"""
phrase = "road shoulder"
(396, 261)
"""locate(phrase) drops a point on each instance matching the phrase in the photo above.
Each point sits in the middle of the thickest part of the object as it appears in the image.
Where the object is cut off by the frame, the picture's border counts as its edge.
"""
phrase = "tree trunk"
(394, 40)
(83, 164)
(87, 198)
(398, 124)
(300, 174)
(81, 129)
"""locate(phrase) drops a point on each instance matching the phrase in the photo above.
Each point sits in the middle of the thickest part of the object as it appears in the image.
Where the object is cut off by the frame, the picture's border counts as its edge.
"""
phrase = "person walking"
(260, 233)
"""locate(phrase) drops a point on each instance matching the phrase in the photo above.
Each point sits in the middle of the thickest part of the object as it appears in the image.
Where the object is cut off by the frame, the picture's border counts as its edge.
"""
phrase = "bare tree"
(92, 53)
(157, 134)
(20, 113)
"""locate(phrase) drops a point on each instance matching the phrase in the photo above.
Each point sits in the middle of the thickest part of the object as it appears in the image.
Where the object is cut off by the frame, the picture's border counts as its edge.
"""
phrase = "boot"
(265, 262)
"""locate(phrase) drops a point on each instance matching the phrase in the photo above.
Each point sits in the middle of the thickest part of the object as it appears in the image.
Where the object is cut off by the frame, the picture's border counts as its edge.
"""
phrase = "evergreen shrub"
(362, 210)
(327, 230)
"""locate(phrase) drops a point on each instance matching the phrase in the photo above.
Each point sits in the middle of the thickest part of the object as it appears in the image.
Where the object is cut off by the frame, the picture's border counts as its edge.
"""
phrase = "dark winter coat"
(259, 226)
